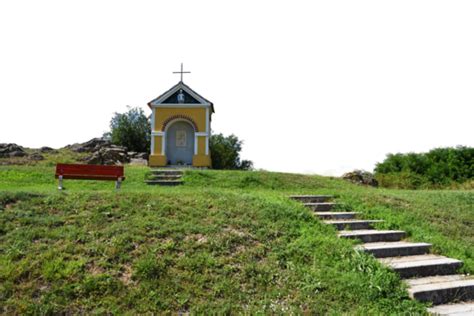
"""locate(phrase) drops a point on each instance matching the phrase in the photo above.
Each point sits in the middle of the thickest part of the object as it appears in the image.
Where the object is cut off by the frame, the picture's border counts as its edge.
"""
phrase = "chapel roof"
(193, 96)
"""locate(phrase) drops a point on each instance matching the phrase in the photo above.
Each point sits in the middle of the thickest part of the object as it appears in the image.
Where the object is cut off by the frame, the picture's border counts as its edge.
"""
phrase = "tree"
(225, 153)
(131, 129)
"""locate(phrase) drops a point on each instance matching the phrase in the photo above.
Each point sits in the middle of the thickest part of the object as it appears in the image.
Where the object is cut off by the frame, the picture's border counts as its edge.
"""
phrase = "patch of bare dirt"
(198, 238)
(94, 269)
(126, 275)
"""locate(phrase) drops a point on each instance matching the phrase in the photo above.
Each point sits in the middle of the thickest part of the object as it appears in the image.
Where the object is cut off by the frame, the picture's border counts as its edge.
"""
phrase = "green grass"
(225, 242)
(62, 155)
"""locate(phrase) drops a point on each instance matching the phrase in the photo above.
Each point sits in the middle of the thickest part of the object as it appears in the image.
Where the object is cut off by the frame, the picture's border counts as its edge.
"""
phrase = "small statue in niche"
(181, 96)
(180, 138)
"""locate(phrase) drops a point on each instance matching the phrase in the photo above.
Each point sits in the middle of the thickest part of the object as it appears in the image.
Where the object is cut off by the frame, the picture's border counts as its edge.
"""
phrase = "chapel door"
(180, 143)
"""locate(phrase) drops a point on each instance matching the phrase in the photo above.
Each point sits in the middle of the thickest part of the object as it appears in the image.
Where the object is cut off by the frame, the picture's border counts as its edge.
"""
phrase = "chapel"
(180, 127)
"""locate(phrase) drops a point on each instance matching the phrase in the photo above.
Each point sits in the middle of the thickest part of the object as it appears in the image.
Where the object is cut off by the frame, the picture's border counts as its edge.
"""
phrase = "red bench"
(89, 172)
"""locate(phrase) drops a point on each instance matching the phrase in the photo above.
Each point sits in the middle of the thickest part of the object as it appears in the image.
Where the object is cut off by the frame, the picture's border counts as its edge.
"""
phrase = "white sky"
(310, 86)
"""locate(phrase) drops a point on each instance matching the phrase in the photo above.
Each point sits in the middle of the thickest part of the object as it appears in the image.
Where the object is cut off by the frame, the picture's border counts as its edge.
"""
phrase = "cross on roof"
(181, 72)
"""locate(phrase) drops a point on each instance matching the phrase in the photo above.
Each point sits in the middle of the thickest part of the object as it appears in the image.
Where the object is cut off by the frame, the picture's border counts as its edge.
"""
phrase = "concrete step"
(165, 177)
(336, 215)
(352, 224)
(373, 235)
(311, 198)
(457, 309)
(394, 249)
(422, 265)
(166, 172)
(164, 182)
(442, 289)
(323, 206)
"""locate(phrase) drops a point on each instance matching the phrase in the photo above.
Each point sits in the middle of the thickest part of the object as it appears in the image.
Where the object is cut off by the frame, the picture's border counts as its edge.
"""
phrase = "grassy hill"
(226, 241)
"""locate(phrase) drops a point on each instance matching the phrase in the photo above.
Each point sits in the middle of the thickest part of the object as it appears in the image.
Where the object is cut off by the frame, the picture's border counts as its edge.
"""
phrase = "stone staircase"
(165, 177)
(430, 278)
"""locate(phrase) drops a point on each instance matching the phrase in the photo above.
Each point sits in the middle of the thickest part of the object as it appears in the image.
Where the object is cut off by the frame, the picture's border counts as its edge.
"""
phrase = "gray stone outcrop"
(110, 155)
(93, 145)
(103, 152)
(11, 150)
(361, 177)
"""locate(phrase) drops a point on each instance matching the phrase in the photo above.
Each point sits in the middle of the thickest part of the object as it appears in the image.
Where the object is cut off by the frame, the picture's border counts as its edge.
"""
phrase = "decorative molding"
(179, 117)
(201, 134)
(177, 105)
(157, 133)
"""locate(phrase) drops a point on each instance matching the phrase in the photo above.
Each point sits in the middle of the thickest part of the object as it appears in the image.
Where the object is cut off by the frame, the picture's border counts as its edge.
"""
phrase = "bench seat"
(89, 172)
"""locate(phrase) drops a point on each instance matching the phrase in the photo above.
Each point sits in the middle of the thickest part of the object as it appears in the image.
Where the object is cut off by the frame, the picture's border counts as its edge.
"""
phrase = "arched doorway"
(180, 143)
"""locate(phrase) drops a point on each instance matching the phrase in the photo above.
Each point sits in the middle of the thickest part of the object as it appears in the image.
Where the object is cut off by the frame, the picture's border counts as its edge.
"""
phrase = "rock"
(113, 155)
(138, 162)
(135, 155)
(92, 145)
(46, 149)
(142, 156)
(94, 159)
(103, 152)
(18, 153)
(11, 150)
(361, 177)
(36, 157)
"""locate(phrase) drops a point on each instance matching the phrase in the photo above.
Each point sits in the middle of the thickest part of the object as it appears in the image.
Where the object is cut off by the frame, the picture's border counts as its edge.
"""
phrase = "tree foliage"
(131, 129)
(225, 153)
(438, 167)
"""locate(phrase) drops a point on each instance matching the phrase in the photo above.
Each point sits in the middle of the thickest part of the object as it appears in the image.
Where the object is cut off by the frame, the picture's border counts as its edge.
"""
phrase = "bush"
(131, 129)
(403, 180)
(436, 168)
(225, 153)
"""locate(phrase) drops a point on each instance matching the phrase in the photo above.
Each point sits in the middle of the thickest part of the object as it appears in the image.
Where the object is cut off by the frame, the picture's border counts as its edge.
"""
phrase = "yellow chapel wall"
(201, 145)
(198, 115)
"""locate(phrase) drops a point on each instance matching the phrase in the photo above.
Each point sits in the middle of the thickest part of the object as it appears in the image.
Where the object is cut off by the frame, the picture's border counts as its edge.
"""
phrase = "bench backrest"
(90, 172)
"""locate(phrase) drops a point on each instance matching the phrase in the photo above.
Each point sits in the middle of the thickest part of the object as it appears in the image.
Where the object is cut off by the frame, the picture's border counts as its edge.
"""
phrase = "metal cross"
(181, 72)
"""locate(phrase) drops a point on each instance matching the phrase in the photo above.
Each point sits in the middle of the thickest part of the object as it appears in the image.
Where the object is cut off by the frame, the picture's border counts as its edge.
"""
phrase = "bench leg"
(118, 183)
(60, 186)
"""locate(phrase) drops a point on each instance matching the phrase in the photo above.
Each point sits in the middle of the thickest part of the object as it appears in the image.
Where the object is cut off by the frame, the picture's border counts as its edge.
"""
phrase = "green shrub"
(403, 180)
(439, 167)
